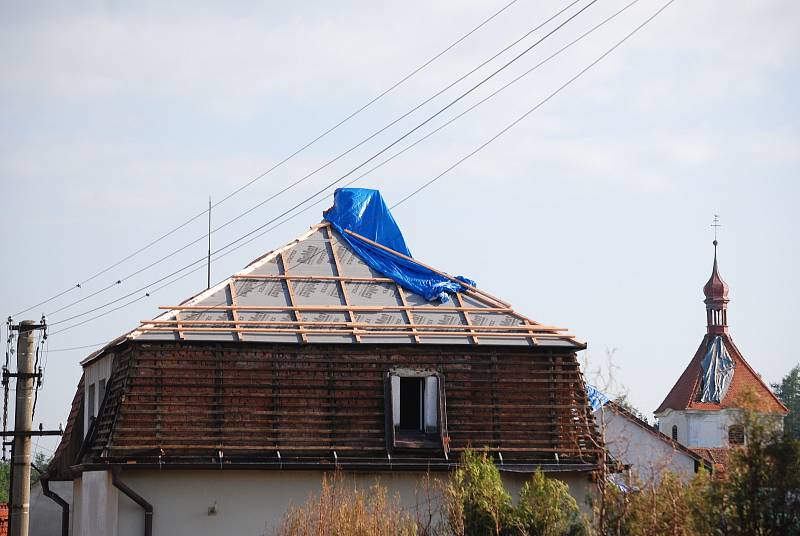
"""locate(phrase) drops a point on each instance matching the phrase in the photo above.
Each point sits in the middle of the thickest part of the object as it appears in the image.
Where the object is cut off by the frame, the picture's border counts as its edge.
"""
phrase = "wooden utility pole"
(21, 458)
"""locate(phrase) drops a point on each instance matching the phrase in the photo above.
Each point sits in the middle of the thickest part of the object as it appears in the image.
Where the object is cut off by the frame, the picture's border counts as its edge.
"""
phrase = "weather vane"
(716, 225)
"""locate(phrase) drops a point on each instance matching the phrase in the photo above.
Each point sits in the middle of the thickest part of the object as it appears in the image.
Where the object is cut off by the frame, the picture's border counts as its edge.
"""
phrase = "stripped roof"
(317, 290)
(685, 394)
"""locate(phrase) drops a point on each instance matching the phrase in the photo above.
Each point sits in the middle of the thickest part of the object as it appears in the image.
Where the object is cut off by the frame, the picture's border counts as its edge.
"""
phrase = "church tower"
(701, 411)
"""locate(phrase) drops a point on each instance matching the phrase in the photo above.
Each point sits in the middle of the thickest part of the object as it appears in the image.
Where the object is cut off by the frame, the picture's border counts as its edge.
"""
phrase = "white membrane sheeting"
(316, 290)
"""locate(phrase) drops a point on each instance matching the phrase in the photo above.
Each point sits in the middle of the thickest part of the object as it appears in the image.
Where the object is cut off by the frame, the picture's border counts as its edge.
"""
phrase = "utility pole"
(28, 380)
(21, 458)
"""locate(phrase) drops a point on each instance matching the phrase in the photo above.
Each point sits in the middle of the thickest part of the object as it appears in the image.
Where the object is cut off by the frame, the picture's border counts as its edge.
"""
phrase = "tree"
(759, 494)
(789, 393)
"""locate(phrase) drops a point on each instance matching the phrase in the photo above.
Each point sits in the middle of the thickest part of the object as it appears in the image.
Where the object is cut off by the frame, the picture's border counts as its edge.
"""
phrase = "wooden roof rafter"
(366, 305)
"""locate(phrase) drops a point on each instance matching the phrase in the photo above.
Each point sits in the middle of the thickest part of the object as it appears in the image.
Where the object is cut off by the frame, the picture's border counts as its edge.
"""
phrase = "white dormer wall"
(94, 374)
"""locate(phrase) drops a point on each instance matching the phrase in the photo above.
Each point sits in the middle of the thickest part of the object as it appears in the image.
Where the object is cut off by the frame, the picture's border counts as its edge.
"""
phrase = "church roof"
(316, 289)
(685, 394)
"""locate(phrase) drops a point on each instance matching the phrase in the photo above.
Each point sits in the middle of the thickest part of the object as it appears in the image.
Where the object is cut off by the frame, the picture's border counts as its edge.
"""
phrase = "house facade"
(644, 453)
(217, 415)
(703, 410)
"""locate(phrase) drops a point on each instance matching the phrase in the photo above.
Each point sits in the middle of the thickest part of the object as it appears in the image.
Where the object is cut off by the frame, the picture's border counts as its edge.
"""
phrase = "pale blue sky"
(117, 122)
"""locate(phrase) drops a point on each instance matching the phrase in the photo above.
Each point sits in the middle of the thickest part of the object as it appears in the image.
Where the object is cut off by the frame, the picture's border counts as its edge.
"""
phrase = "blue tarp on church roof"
(365, 213)
(718, 368)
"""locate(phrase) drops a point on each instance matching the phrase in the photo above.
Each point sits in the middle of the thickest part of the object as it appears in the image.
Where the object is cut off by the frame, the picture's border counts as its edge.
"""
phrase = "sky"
(119, 120)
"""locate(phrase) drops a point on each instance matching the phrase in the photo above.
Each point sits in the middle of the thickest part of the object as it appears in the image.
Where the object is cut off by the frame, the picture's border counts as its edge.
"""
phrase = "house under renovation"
(703, 410)
(338, 351)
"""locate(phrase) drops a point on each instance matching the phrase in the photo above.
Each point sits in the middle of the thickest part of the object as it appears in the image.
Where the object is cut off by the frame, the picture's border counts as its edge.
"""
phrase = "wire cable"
(343, 177)
(485, 144)
(536, 107)
(280, 163)
(365, 140)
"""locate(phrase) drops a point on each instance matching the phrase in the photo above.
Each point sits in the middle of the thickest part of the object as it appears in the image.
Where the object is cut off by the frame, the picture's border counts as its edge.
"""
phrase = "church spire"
(716, 292)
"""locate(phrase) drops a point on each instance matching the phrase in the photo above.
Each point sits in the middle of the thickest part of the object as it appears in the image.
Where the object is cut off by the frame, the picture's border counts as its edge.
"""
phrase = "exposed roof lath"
(317, 290)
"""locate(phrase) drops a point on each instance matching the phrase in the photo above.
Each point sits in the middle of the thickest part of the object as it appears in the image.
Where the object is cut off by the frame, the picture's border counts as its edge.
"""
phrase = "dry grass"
(342, 509)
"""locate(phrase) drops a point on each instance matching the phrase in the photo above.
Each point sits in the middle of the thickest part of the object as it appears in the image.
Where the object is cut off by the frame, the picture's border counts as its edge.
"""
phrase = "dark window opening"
(674, 433)
(102, 392)
(411, 404)
(736, 434)
(90, 406)
(414, 410)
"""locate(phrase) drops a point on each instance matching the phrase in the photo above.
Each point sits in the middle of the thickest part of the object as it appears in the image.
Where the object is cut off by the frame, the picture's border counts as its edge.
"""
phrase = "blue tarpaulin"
(364, 212)
(597, 398)
(718, 370)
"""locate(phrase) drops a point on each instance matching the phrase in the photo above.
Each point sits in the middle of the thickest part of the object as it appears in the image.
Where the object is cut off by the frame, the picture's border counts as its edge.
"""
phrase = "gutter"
(60, 501)
(135, 497)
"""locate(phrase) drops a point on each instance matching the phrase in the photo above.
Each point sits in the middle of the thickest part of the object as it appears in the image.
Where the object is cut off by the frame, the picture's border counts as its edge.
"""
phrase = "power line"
(383, 150)
(335, 159)
(492, 139)
(530, 111)
(271, 169)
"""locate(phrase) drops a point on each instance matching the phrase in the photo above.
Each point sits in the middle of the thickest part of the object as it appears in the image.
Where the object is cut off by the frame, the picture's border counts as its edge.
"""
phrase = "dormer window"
(416, 409)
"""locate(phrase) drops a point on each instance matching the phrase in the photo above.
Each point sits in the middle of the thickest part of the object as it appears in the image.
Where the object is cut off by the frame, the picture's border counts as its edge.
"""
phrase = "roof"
(719, 457)
(195, 404)
(285, 365)
(655, 432)
(70, 444)
(685, 394)
(317, 290)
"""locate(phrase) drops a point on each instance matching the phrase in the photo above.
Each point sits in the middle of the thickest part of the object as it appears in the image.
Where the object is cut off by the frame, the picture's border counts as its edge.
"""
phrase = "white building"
(642, 450)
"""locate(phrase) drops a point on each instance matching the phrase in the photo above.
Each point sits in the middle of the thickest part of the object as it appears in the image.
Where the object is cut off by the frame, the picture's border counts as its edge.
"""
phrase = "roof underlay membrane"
(317, 290)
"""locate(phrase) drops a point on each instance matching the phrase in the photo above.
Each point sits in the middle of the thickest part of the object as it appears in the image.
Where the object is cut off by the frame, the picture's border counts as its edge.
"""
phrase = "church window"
(674, 432)
(736, 435)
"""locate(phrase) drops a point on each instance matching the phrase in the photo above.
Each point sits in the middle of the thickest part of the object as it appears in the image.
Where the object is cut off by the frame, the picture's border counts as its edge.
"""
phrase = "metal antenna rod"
(208, 283)
(716, 225)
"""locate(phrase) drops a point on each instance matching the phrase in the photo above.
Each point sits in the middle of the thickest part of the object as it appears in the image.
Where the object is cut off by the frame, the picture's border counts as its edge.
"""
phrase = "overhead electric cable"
(427, 184)
(275, 166)
(343, 177)
(530, 111)
(354, 147)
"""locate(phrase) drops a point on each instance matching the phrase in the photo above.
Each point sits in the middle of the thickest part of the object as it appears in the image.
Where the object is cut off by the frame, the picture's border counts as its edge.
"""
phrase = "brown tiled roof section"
(185, 402)
(685, 392)
(718, 457)
(68, 448)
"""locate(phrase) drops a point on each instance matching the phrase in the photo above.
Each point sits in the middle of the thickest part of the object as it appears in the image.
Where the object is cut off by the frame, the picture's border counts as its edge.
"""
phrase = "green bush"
(478, 504)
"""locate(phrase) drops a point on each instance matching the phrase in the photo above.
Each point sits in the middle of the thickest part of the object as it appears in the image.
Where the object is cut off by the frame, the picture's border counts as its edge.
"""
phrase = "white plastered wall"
(647, 454)
(93, 373)
(96, 505)
(252, 502)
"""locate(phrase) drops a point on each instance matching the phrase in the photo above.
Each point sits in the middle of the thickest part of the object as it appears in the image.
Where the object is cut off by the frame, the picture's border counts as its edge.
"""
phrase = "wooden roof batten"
(355, 304)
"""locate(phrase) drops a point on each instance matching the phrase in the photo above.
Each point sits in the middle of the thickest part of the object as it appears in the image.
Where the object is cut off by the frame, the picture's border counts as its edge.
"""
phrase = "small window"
(736, 435)
(90, 403)
(415, 408)
(674, 432)
(101, 392)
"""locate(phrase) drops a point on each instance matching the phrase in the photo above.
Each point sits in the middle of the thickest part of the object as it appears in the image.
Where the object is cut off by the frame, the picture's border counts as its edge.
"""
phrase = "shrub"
(477, 503)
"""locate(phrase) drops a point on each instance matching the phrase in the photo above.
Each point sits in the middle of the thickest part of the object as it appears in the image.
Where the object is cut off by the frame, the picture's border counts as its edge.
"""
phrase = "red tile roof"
(719, 457)
(684, 393)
